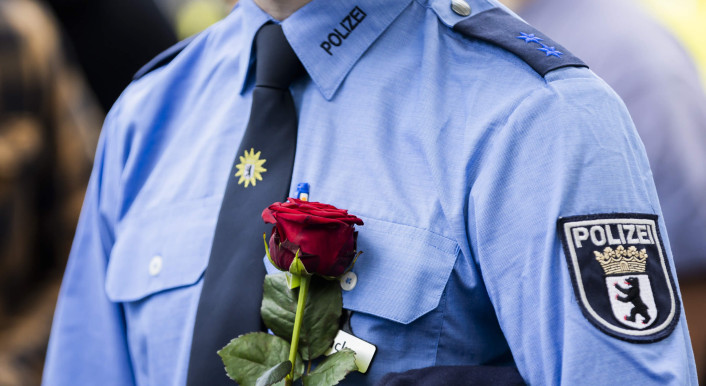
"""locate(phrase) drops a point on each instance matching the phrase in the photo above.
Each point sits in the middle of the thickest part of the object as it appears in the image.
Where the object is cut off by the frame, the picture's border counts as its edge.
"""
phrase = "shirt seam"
(425, 6)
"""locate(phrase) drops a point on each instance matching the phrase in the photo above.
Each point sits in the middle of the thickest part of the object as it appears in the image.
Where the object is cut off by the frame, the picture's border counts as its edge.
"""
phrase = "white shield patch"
(621, 274)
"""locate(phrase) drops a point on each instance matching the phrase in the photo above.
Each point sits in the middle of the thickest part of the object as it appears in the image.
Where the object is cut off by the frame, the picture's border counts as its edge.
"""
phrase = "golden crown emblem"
(621, 260)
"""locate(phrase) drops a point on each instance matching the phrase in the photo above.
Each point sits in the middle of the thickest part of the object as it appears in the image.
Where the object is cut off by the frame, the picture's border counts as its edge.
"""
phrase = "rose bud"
(322, 236)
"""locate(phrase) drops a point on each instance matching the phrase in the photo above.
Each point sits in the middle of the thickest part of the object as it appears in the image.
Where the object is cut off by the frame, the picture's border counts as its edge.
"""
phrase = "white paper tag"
(364, 351)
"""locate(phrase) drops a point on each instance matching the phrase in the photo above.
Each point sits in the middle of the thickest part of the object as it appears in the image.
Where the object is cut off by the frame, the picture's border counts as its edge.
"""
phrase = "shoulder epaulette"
(163, 58)
(495, 26)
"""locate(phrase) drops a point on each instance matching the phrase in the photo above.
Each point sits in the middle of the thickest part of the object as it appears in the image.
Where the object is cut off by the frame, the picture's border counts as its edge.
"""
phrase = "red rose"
(324, 235)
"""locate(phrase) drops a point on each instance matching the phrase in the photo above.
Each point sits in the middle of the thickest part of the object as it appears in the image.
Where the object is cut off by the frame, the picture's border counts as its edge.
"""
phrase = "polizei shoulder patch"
(620, 274)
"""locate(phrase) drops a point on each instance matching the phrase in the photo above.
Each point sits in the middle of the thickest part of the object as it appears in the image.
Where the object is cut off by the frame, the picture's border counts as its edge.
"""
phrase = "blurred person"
(112, 39)
(49, 125)
(659, 84)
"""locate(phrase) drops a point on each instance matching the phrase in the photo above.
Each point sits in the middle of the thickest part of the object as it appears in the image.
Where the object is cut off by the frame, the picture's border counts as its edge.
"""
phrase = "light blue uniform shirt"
(458, 156)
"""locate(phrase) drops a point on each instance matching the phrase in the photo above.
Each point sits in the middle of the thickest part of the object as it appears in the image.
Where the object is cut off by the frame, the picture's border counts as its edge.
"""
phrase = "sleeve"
(570, 151)
(88, 344)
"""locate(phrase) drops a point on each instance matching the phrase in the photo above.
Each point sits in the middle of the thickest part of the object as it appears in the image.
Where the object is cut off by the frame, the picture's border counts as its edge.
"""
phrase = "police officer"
(507, 200)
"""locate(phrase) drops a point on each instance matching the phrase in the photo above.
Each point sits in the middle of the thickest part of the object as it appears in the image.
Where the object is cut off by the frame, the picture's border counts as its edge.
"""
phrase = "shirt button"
(461, 7)
(155, 265)
(348, 281)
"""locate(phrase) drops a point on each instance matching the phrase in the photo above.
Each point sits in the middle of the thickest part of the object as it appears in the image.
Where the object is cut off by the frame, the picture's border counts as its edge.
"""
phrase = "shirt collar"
(328, 36)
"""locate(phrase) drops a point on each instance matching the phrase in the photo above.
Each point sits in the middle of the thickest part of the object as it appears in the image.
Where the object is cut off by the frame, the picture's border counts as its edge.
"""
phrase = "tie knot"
(277, 65)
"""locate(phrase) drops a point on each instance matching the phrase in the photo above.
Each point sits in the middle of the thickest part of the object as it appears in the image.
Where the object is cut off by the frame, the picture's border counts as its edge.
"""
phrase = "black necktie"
(232, 291)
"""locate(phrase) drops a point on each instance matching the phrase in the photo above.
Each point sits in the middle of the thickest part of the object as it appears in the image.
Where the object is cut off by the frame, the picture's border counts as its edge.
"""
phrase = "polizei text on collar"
(343, 30)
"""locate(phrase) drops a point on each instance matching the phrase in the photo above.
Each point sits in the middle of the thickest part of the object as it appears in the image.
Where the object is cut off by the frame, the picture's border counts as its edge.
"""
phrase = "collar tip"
(328, 92)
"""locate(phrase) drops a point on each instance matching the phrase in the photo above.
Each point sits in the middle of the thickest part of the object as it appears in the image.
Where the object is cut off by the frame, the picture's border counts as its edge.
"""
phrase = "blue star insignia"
(551, 51)
(529, 38)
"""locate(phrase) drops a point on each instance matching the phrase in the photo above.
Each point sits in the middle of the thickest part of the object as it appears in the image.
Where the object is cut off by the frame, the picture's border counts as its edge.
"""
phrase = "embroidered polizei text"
(613, 234)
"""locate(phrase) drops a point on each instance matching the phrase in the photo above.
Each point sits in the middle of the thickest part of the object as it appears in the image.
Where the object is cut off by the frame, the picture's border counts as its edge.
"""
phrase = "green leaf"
(249, 356)
(279, 304)
(332, 370)
(274, 374)
(321, 313)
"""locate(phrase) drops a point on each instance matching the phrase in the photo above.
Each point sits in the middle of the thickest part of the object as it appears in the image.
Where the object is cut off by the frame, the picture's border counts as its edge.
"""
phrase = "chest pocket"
(161, 249)
(402, 272)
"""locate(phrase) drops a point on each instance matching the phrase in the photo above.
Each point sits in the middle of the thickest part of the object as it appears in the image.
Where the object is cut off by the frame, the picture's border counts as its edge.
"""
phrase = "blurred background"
(64, 62)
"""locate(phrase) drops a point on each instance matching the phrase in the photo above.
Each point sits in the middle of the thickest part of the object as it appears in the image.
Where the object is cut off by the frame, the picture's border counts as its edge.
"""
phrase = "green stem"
(303, 290)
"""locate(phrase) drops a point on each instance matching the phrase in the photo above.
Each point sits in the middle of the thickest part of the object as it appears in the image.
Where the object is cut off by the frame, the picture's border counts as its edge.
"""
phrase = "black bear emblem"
(632, 295)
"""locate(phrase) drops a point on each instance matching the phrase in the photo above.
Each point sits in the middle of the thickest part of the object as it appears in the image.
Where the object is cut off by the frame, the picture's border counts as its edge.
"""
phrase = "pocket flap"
(161, 249)
(402, 272)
